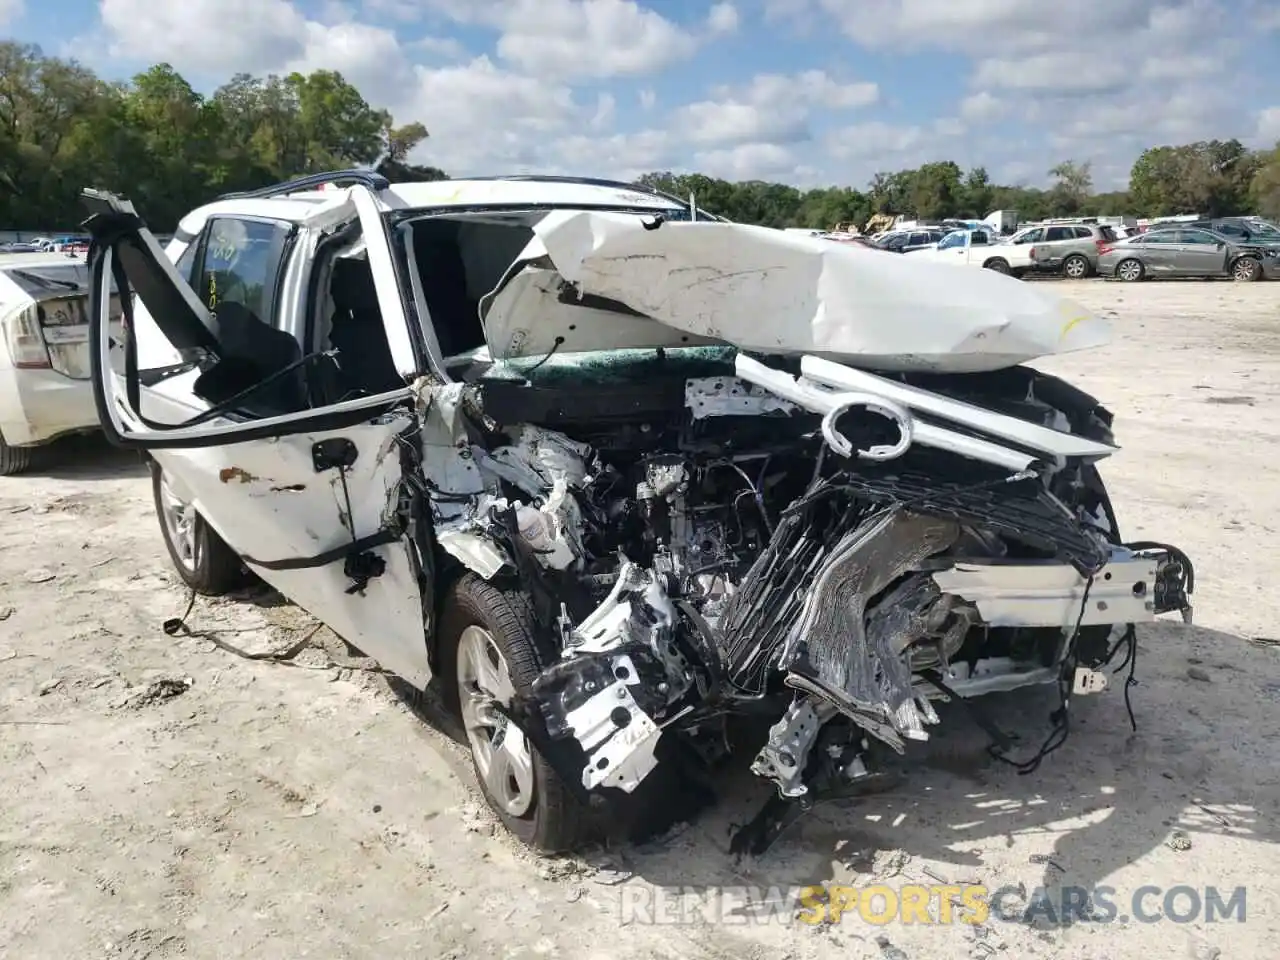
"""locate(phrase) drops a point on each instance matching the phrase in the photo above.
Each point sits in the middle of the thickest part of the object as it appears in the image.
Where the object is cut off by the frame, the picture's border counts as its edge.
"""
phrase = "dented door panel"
(270, 503)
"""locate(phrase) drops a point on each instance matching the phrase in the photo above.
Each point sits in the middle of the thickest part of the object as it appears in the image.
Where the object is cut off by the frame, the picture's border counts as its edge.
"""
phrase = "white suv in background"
(1071, 249)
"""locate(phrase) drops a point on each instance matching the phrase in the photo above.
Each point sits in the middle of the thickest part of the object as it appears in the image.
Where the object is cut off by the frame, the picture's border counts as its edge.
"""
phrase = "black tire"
(1076, 267)
(1246, 270)
(215, 569)
(998, 264)
(556, 820)
(13, 460)
(1125, 271)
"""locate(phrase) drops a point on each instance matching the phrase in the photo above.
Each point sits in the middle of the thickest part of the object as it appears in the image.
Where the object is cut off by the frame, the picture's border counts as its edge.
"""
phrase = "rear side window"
(241, 264)
(1057, 233)
(1083, 233)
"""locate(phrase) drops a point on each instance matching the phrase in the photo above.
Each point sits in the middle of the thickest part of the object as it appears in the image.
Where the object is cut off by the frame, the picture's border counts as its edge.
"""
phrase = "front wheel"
(1246, 270)
(999, 265)
(1076, 267)
(1130, 271)
(201, 557)
(13, 460)
(487, 637)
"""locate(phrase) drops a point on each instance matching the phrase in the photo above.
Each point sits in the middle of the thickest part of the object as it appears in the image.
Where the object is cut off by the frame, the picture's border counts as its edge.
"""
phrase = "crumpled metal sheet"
(865, 671)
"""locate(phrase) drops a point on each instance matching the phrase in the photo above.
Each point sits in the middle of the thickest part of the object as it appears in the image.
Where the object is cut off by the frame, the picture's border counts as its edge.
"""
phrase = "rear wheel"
(1130, 270)
(203, 561)
(13, 460)
(487, 638)
(1246, 270)
(998, 264)
(1076, 267)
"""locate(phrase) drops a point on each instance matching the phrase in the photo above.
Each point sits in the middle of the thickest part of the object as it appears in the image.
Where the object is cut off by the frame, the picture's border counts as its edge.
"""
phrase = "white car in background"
(978, 247)
(45, 386)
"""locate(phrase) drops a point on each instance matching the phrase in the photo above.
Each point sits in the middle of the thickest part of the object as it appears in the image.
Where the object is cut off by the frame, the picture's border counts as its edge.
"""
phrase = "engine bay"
(696, 545)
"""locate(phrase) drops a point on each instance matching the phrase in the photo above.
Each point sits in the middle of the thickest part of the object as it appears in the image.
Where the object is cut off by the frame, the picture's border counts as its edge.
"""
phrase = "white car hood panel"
(775, 292)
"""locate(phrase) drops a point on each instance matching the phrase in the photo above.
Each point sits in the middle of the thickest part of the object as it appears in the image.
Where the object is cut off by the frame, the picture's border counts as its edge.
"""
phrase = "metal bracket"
(334, 452)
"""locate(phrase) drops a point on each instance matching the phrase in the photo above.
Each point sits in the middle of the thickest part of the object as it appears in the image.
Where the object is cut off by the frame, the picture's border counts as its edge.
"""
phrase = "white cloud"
(749, 161)
(598, 38)
(483, 117)
(624, 155)
(10, 11)
(1268, 130)
(1053, 71)
(407, 11)
(773, 108)
(369, 57)
(520, 87)
(446, 48)
(605, 108)
(723, 18)
(223, 36)
(982, 107)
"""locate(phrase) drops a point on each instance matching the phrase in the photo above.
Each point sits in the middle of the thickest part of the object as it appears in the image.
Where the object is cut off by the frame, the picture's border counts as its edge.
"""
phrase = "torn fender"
(774, 292)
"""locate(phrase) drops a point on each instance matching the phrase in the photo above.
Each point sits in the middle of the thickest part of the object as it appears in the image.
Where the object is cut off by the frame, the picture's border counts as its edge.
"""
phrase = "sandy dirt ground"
(162, 798)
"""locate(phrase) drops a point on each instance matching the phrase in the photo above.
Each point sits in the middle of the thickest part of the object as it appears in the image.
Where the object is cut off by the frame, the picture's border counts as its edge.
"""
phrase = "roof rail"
(367, 178)
(592, 182)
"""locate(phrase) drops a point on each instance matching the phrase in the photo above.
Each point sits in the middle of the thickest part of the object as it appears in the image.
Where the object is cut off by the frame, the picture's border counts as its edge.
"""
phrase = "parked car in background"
(905, 241)
(979, 248)
(1069, 249)
(1239, 229)
(45, 390)
(1188, 252)
(19, 247)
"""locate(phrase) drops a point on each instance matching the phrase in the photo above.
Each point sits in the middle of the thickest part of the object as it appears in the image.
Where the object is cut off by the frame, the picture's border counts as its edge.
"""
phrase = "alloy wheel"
(502, 754)
(179, 519)
(1245, 269)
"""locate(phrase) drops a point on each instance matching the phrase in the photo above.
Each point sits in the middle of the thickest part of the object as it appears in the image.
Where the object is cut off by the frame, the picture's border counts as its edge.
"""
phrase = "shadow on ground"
(85, 457)
(1199, 763)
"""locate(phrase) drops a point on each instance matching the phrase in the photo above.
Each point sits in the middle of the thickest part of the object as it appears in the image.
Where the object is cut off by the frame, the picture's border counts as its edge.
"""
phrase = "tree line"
(170, 148)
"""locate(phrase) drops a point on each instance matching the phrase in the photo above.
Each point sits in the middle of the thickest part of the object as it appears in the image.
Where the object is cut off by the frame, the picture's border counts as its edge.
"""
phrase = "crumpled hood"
(770, 291)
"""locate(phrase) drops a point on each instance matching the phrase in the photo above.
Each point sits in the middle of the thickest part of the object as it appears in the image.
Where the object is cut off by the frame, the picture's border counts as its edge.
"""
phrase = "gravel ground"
(163, 798)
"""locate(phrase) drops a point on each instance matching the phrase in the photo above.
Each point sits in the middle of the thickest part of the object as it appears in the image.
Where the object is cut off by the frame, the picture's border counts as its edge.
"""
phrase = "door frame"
(125, 427)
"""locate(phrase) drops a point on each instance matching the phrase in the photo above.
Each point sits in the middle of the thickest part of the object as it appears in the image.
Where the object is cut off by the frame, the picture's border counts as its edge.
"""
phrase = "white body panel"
(769, 291)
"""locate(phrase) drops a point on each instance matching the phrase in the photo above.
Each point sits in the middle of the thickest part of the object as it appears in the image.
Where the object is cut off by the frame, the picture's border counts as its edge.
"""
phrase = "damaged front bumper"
(893, 545)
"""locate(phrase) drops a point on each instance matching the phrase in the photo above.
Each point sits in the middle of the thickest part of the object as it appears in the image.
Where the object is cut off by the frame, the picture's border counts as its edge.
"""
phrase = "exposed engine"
(703, 546)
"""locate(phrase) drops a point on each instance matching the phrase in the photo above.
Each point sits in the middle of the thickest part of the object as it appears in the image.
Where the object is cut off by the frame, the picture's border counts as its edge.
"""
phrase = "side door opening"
(297, 451)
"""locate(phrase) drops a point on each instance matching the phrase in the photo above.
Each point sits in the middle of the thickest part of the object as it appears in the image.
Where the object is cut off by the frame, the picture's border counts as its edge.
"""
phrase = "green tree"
(1072, 187)
(1264, 192)
(978, 193)
(936, 191)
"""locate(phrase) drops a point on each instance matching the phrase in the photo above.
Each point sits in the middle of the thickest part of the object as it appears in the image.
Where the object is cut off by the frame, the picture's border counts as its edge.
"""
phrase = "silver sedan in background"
(1182, 252)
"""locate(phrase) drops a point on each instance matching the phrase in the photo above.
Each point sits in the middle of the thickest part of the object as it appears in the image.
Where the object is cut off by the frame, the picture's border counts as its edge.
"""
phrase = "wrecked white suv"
(617, 472)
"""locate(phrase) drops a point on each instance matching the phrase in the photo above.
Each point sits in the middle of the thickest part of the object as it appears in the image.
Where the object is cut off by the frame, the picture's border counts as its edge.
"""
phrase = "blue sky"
(810, 92)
